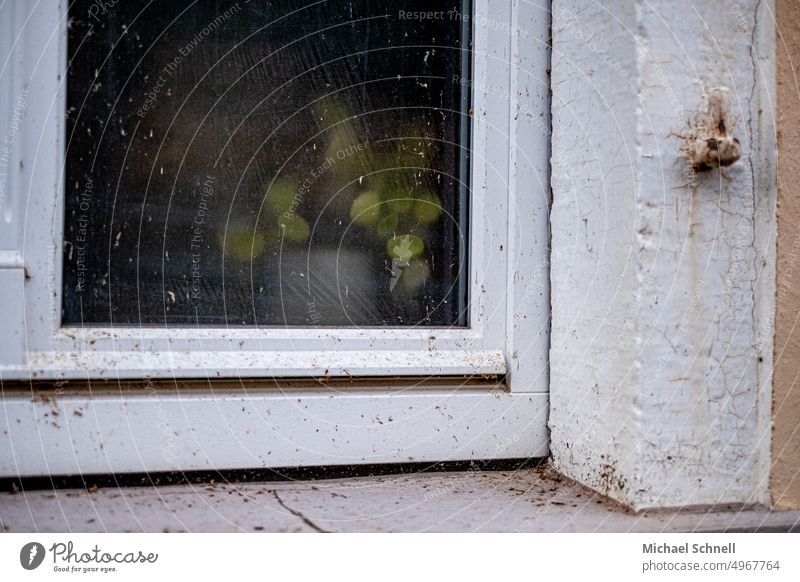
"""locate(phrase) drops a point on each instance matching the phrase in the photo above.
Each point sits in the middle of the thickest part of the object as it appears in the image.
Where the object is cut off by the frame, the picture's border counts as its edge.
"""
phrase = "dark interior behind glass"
(267, 164)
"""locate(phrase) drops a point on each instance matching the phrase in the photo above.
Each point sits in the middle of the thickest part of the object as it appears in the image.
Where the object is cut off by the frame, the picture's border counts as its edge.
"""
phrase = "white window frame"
(508, 328)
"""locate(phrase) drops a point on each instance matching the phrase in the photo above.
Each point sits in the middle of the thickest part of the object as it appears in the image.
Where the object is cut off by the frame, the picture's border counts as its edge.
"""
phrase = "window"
(266, 164)
(343, 201)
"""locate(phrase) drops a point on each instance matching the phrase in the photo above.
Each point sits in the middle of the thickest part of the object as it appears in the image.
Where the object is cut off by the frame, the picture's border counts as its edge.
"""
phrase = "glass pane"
(267, 163)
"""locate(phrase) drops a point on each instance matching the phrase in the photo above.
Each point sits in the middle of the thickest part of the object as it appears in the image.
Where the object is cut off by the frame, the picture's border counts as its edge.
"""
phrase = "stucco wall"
(785, 479)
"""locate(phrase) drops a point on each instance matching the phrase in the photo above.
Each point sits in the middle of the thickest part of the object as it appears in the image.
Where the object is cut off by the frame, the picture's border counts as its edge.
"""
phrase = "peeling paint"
(658, 393)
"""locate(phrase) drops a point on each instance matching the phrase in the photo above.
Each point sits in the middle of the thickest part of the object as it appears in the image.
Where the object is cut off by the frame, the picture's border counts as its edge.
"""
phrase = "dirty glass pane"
(267, 163)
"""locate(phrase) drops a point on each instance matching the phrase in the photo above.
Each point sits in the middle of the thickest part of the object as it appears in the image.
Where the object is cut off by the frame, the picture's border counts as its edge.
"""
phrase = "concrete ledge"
(530, 500)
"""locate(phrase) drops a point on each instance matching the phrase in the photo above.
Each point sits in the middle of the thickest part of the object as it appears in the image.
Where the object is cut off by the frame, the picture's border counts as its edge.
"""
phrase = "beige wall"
(785, 477)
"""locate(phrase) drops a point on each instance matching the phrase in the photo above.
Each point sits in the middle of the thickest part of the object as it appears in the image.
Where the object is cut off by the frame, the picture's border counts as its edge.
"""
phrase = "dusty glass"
(267, 164)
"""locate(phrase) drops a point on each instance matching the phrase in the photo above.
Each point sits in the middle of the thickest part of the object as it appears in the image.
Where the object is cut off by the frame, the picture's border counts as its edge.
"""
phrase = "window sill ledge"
(529, 500)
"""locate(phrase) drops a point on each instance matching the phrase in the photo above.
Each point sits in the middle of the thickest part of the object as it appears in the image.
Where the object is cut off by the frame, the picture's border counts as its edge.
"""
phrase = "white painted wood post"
(662, 279)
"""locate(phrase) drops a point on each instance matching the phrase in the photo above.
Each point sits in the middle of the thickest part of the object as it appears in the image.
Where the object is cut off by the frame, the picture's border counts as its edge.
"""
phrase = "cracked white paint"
(662, 279)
